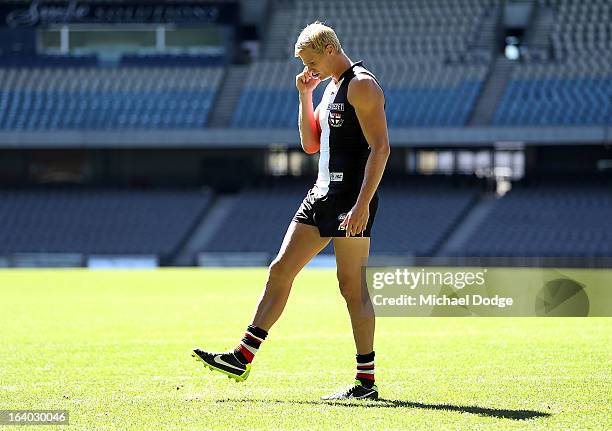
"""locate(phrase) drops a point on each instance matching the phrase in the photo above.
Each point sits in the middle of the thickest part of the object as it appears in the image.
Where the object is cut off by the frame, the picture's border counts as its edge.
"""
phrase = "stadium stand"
(425, 210)
(422, 53)
(97, 98)
(549, 219)
(580, 27)
(446, 99)
(171, 60)
(269, 98)
(427, 57)
(426, 95)
(43, 60)
(577, 95)
(98, 222)
(565, 219)
(269, 209)
(416, 217)
(575, 88)
(417, 29)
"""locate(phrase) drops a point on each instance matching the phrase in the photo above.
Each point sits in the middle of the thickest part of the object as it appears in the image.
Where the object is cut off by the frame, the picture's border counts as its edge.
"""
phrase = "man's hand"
(305, 82)
(307, 118)
(356, 220)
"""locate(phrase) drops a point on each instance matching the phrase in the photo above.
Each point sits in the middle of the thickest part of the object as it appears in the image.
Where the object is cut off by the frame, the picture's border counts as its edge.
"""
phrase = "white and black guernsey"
(344, 149)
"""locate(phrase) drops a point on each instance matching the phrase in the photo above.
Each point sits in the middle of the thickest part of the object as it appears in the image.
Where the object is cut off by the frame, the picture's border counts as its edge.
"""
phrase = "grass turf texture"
(114, 349)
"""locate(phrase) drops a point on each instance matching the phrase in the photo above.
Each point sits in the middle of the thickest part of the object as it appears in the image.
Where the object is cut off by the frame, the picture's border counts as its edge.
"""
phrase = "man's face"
(317, 63)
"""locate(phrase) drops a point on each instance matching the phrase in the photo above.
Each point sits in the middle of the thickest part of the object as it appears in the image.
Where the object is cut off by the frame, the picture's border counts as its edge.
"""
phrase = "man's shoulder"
(361, 72)
(363, 86)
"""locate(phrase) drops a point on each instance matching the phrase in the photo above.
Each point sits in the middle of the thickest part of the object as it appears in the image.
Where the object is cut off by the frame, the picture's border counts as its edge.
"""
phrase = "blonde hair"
(317, 36)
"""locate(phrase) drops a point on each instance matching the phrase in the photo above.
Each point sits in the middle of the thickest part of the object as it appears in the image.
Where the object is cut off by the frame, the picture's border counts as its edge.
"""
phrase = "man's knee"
(280, 270)
(350, 288)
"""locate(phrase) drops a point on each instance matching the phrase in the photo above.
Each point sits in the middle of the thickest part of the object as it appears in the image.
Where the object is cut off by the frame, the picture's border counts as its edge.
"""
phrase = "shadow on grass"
(384, 403)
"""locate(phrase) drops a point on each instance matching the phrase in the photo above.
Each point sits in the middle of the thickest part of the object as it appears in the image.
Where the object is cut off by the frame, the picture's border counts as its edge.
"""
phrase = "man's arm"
(310, 135)
(369, 102)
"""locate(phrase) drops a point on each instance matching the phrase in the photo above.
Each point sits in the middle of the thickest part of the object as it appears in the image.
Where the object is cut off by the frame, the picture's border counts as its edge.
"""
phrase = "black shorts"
(327, 212)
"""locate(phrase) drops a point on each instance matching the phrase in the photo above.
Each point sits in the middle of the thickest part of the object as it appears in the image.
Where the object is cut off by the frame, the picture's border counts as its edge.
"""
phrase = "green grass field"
(113, 348)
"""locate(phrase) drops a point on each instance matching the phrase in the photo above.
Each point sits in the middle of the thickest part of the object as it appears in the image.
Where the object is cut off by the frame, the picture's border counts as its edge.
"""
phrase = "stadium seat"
(98, 222)
(53, 98)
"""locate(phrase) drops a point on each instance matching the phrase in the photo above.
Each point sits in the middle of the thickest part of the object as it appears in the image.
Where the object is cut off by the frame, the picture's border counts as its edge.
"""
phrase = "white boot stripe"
(365, 395)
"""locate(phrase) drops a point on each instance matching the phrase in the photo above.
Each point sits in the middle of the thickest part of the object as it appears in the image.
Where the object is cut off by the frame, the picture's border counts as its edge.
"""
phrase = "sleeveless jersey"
(344, 149)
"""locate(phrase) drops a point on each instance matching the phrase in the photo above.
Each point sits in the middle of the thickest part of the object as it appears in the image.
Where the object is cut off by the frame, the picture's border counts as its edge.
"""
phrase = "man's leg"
(301, 243)
(351, 254)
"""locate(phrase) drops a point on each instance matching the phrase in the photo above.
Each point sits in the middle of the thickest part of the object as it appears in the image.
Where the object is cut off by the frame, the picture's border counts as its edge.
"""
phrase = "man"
(349, 129)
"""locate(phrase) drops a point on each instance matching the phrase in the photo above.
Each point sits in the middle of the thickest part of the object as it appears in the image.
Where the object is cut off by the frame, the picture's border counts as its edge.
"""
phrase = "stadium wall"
(261, 138)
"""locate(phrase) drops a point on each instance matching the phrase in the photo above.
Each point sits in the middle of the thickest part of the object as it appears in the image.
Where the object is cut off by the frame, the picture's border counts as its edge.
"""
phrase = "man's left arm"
(369, 102)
